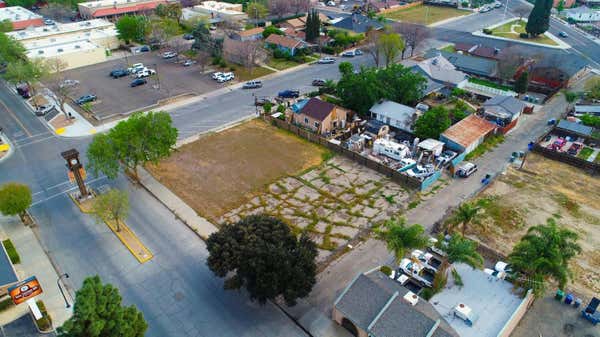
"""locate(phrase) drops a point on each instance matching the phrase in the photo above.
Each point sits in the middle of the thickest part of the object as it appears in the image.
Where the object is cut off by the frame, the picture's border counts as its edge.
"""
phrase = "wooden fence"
(395, 176)
(592, 167)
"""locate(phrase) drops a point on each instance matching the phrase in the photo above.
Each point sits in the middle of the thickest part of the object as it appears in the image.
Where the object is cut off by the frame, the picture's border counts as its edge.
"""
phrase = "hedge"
(11, 251)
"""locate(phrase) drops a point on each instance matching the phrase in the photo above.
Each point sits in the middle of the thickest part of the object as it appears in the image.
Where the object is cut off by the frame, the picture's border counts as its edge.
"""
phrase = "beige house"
(321, 117)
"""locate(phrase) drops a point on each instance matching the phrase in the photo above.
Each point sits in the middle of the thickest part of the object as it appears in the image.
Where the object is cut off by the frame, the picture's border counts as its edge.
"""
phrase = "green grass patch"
(243, 74)
(449, 48)
(502, 215)
(281, 64)
(425, 15)
(490, 84)
(11, 251)
(414, 204)
(5, 304)
(484, 147)
(585, 153)
(508, 31)
(565, 202)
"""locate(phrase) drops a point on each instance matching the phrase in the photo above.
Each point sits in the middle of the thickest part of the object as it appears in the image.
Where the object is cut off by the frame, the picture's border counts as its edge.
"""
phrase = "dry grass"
(519, 200)
(425, 15)
(506, 30)
(222, 171)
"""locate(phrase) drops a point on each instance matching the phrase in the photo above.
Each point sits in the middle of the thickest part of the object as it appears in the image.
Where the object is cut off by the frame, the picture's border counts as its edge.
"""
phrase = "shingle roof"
(317, 109)
(575, 127)
(250, 32)
(399, 112)
(505, 106)
(468, 130)
(374, 303)
(469, 64)
(440, 69)
(358, 23)
(283, 41)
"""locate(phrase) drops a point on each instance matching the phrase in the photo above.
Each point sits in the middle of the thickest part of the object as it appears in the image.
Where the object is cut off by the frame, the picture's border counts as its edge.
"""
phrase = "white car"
(331, 3)
(68, 83)
(145, 73)
(135, 68)
(225, 77)
(420, 171)
(326, 60)
(169, 54)
(215, 76)
(466, 169)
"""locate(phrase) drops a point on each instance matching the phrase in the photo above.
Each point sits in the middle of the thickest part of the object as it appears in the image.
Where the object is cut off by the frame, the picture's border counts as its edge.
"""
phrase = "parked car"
(212, 27)
(485, 9)
(49, 22)
(42, 110)
(216, 75)
(188, 36)
(138, 82)
(68, 83)
(252, 84)
(86, 99)
(119, 73)
(331, 3)
(144, 49)
(558, 144)
(466, 169)
(563, 34)
(358, 52)
(574, 149)
(497, 4)
(225, 77)
(188, 63)
(326, 60)
(289, 93)
(23, 90)
(135, 68)
(349, 53)
(446, 157)
(169, 54)
(145, 73)
(420, 171)
(260, 101)
(318, 82)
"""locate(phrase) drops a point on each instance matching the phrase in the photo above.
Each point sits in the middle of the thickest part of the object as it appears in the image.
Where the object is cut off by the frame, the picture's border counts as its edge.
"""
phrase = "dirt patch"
(222, 171)
(547, 188)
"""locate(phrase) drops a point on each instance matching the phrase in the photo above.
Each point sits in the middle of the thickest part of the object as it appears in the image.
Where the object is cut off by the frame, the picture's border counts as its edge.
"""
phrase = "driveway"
(116, 96)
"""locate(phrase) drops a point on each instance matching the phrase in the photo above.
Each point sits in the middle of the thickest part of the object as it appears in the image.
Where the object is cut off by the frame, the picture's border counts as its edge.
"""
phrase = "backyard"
(545, 189)
(423, 14)
(512, 29)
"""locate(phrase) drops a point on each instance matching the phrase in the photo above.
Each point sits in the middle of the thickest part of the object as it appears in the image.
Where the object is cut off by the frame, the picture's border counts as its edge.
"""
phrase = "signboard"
(25, 290)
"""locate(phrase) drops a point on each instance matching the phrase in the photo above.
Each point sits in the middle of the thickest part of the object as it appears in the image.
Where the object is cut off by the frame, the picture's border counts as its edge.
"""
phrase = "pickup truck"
(289, 93)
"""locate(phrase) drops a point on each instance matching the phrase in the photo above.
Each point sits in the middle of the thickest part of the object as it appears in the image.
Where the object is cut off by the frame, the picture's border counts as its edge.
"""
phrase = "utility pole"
(505, 9)
(76, 171)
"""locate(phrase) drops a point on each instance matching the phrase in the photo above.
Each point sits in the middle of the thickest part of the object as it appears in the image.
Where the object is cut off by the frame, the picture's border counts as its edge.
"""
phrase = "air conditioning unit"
(77, 46)
(411, 298)
(40, 52)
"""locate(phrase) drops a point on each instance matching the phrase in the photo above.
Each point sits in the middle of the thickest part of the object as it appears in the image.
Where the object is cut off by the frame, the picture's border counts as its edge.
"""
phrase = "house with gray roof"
(440, 74)
(582, 109)
(374, 305)
(396, 115)
(503, 111)
(358, 23)
(474, 65)
(575, 128)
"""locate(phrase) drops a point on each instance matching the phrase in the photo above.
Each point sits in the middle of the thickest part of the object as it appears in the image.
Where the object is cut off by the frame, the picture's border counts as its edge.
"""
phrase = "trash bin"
(569, 299)
(559, 295)
(577, 302)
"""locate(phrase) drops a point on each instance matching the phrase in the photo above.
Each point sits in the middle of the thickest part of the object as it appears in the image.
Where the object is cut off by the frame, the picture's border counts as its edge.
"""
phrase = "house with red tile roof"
(285, 43)
(20, 17)
(116, 8)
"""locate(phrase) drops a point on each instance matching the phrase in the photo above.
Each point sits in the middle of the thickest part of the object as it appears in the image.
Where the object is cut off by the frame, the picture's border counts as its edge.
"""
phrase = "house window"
(316, 124)
(305, 120)
(335, 124)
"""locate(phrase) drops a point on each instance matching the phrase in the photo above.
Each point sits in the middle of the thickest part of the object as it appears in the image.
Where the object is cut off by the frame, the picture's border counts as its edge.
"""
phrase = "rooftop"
(488, 297)
(358, 23)
(575, 127)
(468, 63)
(62, 28)
(252, 31)
(440, 69)
(396, 111)
(468, 130)
(376, 303)
(58, 48)
(478, 50)
(7, 273)
(221, 7)
(504, 106)
(587, 108)
(317, 109)
(283, 41)
(111, 3)
(17, 13)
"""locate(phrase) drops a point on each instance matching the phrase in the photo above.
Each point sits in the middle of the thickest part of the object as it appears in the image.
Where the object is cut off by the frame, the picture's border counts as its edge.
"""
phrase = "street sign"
(25, 290)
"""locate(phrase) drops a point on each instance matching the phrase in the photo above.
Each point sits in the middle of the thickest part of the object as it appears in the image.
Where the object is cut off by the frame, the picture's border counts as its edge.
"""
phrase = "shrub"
(281, 108)
(386, 270)
(457, 278)
(487, 31)
(5, 304)
(465, 4)
(44, 323)
(216, 61)
(524, 35)
(231, 68)
(328, 50)
(267, 107)
(313, 93)
(427, 294)
(11, 251)
(222, 63)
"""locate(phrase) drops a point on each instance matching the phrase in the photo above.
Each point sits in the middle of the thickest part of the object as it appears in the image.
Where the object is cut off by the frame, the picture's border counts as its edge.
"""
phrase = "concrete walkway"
(185, 213)
(34, 262)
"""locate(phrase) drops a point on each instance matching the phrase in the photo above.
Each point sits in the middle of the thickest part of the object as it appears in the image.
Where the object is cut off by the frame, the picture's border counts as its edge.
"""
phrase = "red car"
(574, 149)
(558, 144)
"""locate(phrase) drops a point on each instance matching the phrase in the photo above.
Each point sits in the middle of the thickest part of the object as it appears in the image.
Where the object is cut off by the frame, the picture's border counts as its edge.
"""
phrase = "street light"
(65, 275)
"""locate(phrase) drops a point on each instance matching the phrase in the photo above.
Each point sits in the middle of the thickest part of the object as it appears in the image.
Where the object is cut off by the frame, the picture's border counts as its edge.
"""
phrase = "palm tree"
(462, 250)
(400, 237)
(466, 214)
(545, 251)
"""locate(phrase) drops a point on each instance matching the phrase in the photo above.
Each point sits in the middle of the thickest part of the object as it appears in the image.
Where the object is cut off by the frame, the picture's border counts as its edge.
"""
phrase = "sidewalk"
(34, 261)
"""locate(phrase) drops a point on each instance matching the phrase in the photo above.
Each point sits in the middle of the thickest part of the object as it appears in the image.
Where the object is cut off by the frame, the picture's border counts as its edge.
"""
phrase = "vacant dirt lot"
(223, 170)
(424, 14)
(520, 199)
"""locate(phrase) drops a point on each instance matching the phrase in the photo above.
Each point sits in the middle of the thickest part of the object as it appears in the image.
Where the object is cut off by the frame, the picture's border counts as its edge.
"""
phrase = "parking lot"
(115, 96)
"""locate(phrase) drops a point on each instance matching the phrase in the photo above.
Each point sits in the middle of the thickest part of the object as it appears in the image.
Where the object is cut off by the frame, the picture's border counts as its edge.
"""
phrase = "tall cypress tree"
(539, 18)
(313, 25)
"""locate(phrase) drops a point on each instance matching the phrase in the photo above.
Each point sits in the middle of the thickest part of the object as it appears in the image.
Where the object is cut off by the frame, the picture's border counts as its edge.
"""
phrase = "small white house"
(394, 114)
(582, 14)
(431, 145)
(390, 149)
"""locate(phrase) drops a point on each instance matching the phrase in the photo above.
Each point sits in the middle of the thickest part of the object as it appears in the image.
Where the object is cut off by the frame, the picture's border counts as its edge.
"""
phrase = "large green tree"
(6, 26)
(313, 26)
(15, 199)
(432, 123)
(544, 252)
(132, 28)
(112, 206)
(29, 72)
(539, 18)
(10, 49)
(261, 254)
(22, 3)
(399, 237)
(140, 139)
(98, 312)
(466, 215)
(359, 91)
(171, 11)
(462, 250)
(256, 11)
(391, 45)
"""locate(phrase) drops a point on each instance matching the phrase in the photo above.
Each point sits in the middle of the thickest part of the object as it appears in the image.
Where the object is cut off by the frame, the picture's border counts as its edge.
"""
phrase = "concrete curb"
(561, 44)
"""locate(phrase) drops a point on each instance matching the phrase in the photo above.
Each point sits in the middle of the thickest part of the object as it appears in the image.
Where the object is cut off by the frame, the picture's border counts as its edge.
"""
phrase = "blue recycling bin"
(569, 299)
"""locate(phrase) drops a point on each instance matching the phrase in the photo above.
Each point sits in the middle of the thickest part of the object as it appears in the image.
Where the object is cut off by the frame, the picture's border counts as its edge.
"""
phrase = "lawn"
(426, 15)
(449, 48)
(242, 74)
(585, 153)
(512, 29)
(281, 64)
(223, 170)
(490, 84)
(484, 147)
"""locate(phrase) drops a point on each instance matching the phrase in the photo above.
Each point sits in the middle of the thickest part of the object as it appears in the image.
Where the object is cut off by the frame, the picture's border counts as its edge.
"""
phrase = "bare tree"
(56, 11)
(413, 35)
(298, 6)
(279, 7)
(178, 46)
(508, 63)
(55, 79)
(203, 58)
(247, 53)
(373, 47)
(521, 11)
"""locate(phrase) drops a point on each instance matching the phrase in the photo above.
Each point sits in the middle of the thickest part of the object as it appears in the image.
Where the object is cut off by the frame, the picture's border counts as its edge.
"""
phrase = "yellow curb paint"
(93, 131)
(4, 147)
(60, 131)
(143, 256)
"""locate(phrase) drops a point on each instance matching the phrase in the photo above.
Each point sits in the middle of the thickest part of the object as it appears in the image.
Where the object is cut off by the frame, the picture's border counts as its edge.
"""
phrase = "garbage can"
(577, 302)
(569, 299)
(559, 295)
